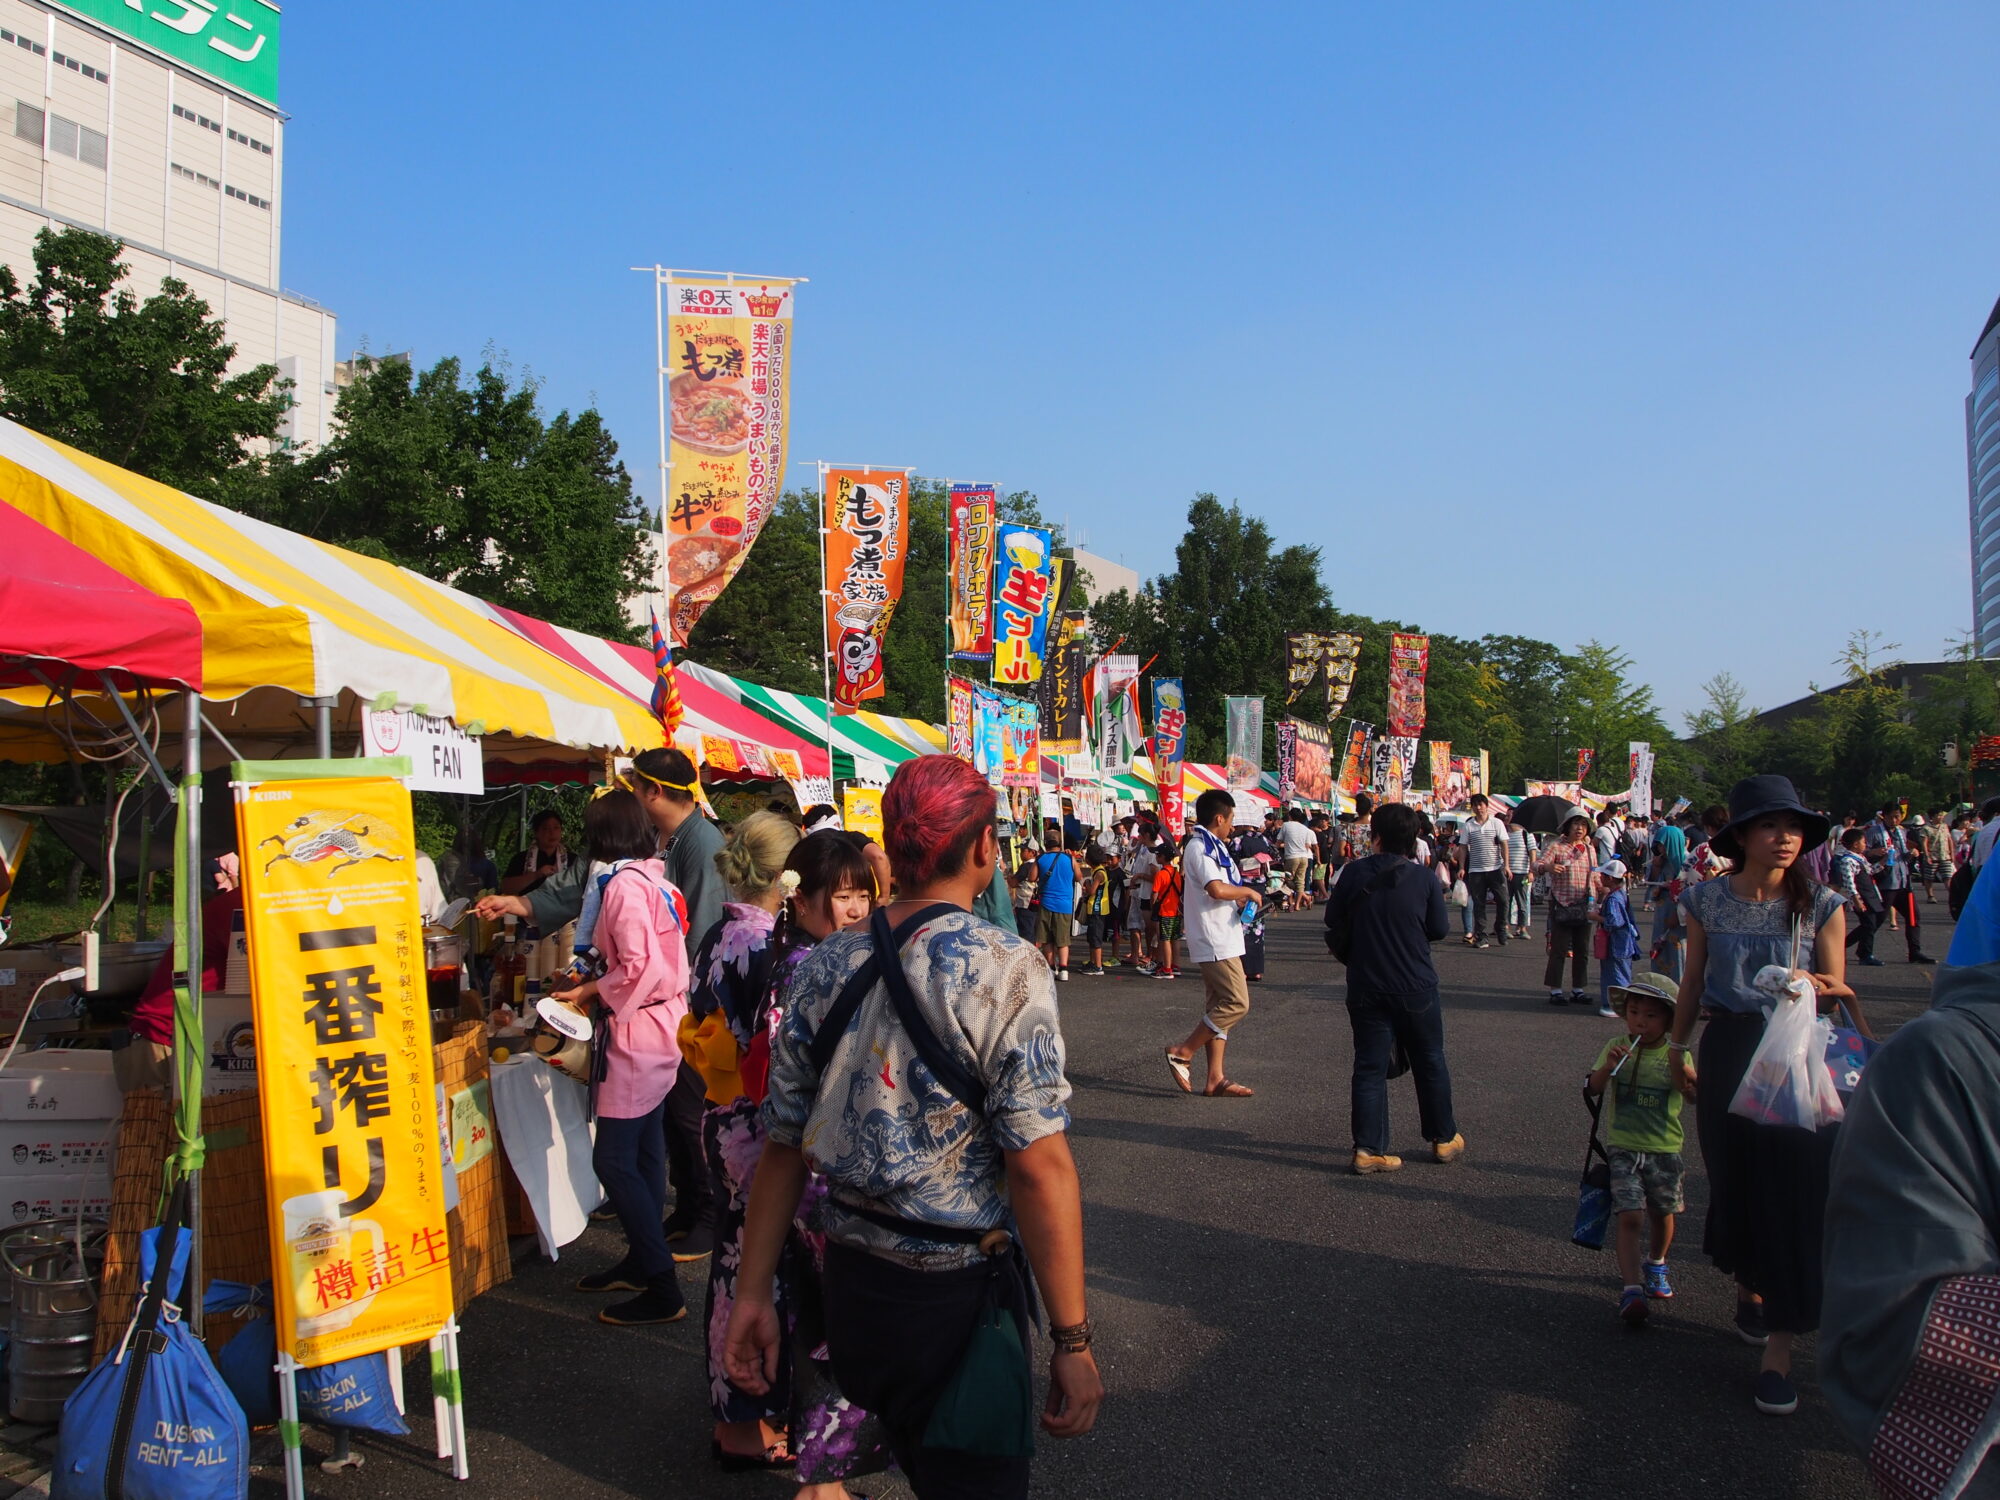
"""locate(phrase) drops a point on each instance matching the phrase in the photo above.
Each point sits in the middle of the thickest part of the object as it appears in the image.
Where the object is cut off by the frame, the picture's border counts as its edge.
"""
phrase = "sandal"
(777, 1456)
(1222, 1088)
(1178, 1066)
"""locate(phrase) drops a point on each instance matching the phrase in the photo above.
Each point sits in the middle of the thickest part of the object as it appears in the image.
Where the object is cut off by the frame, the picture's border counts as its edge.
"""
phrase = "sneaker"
(1632, 1306)
(1657, 1285)
(1605, 1010)
(1165, 974)
(696, 1244)
(603, 1215)
(618, 1278)
(1146, 968)
(1367, 1164)
(1750, 1324)
(1915, 958)
(1776, 1395)
(1063, 975)
(1578, 997)
(1872, 963)
(1450, 1150)
(1482, 943)
(657, 1304)
(1094, 973)
(1556, 998)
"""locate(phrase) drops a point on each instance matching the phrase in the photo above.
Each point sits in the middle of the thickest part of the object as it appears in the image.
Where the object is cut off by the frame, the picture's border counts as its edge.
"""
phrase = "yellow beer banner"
(861, 811)
(728, 346)
(360, 1258)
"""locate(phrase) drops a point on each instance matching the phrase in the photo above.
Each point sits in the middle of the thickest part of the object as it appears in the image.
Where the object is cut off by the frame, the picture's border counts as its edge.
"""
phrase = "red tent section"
(72, 616)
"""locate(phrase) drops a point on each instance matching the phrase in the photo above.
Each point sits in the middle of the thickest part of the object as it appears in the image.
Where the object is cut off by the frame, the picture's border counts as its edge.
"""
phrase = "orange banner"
(865, 529)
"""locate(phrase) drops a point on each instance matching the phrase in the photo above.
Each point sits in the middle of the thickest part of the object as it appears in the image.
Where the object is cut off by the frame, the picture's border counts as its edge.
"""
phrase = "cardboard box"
(47, 1150)
(22, 971)
(228, 1045)
(59, 1085)
(24, 1199)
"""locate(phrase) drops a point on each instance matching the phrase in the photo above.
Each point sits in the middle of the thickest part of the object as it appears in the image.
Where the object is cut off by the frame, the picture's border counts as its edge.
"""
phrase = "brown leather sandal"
(1222, 1088)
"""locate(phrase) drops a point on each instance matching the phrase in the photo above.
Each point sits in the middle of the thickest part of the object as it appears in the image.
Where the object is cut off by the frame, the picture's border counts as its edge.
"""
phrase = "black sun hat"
(1757, 796)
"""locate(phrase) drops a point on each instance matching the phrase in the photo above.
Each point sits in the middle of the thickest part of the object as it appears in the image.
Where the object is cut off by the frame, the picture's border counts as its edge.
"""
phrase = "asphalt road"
(1268, 1324)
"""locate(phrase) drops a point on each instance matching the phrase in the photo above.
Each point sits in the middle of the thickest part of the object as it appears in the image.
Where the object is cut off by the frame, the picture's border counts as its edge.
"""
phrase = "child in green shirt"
(1643, 1135)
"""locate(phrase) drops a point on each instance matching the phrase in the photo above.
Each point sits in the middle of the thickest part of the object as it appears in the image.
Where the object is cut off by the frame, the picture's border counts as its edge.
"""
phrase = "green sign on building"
(235, 42)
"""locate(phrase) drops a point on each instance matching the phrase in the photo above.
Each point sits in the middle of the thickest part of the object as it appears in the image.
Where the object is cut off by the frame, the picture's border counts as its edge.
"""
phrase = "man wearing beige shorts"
(1212, 901)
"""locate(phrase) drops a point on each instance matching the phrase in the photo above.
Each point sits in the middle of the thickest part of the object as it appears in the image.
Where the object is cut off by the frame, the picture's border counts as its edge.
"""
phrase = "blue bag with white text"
(347, 1393)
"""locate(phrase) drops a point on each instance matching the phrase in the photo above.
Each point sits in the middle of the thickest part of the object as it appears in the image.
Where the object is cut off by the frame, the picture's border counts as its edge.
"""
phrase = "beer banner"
(1440, 762)
(958, 719)
(1313, 762)
(1062, 691)
(1244, 767)
(1639, 756)
(1343, 655)
(1288, 759)
(728, 371)
(1120, 735)
(1585, 759)
(974, 514)
(861, 810)
(1020, 743)
(1409, 661)
(865, 531)
(347, 1084)
(1354, 762)
(1022, 582)
(1169, 750)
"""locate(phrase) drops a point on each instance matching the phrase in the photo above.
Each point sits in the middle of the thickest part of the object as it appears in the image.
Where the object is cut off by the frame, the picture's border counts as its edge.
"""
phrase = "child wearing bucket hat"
(1617, 942)
(1643, 1136)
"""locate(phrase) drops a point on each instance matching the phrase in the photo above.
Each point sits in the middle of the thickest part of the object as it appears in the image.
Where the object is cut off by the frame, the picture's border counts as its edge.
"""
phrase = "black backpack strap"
(144, 1341)
(959, 1081)
(840, 1015)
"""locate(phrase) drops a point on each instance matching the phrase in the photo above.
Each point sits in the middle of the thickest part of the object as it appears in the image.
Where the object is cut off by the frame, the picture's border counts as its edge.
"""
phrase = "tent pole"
(322, 727)
(191, 784)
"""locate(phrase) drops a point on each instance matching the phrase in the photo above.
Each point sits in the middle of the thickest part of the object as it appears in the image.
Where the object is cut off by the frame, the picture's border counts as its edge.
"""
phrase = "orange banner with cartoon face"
(865, 528)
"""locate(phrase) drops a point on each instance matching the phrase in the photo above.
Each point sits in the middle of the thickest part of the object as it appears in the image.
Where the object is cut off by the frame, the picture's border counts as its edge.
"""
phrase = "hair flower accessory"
(788, 882)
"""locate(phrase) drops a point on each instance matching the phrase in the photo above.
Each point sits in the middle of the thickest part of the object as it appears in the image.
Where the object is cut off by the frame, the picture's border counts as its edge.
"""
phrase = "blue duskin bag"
(154, 1421)
(1593, 1192)
(347, 1393)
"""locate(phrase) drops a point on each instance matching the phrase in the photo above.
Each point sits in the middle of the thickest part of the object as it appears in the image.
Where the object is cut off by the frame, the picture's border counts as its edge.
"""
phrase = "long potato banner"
(866, 532)
(728, 376)
(347, 1086)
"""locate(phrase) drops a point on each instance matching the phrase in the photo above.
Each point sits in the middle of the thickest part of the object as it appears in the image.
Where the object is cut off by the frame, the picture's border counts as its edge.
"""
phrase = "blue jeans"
(1380, 1021)
(630, 1159)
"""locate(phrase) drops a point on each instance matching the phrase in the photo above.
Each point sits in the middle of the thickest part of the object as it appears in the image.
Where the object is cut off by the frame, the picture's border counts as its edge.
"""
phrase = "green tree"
(1726, 741)
(1959, 705)
(469, 483)
(1871, 742)
(1605, 710)
(144, 385)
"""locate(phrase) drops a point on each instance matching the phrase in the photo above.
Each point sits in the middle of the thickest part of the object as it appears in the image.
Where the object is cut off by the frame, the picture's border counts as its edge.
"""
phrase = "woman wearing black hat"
(1767, 1183)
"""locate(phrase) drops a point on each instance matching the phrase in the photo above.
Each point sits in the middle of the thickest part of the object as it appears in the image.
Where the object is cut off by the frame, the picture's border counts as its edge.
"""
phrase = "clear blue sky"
(1644, 323)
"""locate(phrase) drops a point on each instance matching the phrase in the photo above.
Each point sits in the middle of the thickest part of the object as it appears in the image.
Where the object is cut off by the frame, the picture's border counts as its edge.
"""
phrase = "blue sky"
(1642, 323)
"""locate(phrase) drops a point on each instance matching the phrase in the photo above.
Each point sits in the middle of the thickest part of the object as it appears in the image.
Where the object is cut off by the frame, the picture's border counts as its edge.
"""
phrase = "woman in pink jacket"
(641, 990)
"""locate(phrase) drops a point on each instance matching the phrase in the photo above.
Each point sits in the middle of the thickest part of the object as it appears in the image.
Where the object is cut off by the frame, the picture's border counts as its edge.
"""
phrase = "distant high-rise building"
(1982, 478)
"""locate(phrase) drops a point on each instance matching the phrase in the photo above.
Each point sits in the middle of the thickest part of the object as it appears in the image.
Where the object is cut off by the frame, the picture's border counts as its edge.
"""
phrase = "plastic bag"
(1787, 1082)
(1458, 895)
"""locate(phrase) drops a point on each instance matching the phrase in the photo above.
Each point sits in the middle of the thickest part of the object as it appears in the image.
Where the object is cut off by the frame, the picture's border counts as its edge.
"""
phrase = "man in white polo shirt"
(1485, 840)
(1212, 899)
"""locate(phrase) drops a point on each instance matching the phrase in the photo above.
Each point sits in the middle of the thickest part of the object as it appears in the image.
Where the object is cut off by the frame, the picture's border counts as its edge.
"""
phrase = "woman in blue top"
(1669, 860)
(1767, 1183)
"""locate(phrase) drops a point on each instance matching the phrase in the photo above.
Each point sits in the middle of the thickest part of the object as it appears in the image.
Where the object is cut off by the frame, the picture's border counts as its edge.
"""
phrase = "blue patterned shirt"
(884, 1133)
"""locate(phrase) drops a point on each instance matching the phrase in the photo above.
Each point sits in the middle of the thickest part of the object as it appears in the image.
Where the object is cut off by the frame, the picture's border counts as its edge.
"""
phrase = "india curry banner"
(973, 516)
(1409, 662)
(1170, 750)
(728, 375)
(343, 1028)
(1244, 763)
(865, 529)
(1022, 581)
(1062, 691)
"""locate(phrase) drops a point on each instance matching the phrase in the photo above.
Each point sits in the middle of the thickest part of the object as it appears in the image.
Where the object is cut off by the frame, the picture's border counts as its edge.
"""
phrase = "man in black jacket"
(1384, 913)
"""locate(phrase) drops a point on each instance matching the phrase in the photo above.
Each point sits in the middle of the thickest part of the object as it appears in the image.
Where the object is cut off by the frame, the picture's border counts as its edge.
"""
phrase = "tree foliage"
(144, 385)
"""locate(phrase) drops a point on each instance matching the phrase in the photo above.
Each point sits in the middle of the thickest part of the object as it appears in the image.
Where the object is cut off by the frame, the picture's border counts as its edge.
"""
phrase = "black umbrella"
(1544, 814)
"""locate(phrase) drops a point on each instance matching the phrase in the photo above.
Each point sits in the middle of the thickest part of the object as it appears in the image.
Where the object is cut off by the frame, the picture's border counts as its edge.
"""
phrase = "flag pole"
(825, 643)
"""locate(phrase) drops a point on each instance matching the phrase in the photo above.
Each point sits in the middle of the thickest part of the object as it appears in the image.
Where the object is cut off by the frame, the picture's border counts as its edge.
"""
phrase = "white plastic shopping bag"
(1787, 1082)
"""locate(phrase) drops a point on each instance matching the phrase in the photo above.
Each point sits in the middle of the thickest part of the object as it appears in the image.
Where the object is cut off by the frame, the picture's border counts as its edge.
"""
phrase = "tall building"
(157, 121)
(1982, 478)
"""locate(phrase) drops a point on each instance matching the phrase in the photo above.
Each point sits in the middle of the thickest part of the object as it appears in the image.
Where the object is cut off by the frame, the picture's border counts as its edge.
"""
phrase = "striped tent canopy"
(285, 617)
(865, 746)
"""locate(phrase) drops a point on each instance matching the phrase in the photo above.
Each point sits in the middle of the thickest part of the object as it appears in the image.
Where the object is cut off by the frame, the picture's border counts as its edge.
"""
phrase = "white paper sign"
(443, 757)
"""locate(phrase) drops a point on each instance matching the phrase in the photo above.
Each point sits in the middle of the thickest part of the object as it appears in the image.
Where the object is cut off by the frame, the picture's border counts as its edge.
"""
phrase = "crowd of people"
(835, 1070)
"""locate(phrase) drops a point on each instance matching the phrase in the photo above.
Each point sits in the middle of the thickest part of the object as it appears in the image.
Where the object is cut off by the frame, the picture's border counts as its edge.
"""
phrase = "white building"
(156, 121)
(1106, 576)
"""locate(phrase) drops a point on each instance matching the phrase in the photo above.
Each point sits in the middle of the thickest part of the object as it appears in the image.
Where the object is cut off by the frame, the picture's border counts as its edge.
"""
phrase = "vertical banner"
(1409, 662)
(1639, 756)
(1062, 690)
(1120, 734)
(1393, 784)
(1020, 742)
(727, 369)
(348, 1087)
(1485, 781)
(1313, 763)
(865, 529)
(1244, 766)
(1288, 760)
(1343, 655)
(1169, 750)
(1354, 761)
(1305, 659)
(958, 717)
(974, 513)
(861, 810)
(1440, 763)
(1022, 581)
(1585, 759)
(989, 735)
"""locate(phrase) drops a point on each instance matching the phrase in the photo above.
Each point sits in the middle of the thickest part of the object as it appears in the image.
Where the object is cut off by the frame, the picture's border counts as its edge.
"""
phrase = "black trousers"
(1904, 904)
(1571, 939)
(687, 1163)
(1862, 932)
(1479, 884)
(895, 1335)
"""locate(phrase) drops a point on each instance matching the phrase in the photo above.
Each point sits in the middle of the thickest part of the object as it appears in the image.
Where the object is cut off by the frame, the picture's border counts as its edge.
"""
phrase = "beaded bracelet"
(1073, 1339)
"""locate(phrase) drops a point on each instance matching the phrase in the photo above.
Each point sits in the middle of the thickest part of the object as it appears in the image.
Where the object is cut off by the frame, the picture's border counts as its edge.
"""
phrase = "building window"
(202, 120)
(237, 135)
(250, 198)
(67, 138)
(84, 68)
(28, 123)
(23, 43)
(196, 177)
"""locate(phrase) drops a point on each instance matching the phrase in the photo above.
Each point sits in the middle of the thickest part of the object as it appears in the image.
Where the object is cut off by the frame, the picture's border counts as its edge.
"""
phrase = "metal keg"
(52, 1267)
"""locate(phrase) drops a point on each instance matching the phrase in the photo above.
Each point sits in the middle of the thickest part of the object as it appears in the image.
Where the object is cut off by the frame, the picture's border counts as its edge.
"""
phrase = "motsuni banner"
(1023, 578)
(347, 1086)
(1313, 762)
(1170, 750)
(974, 516)
(726, 365)
(1409, 662)
(865, 529)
